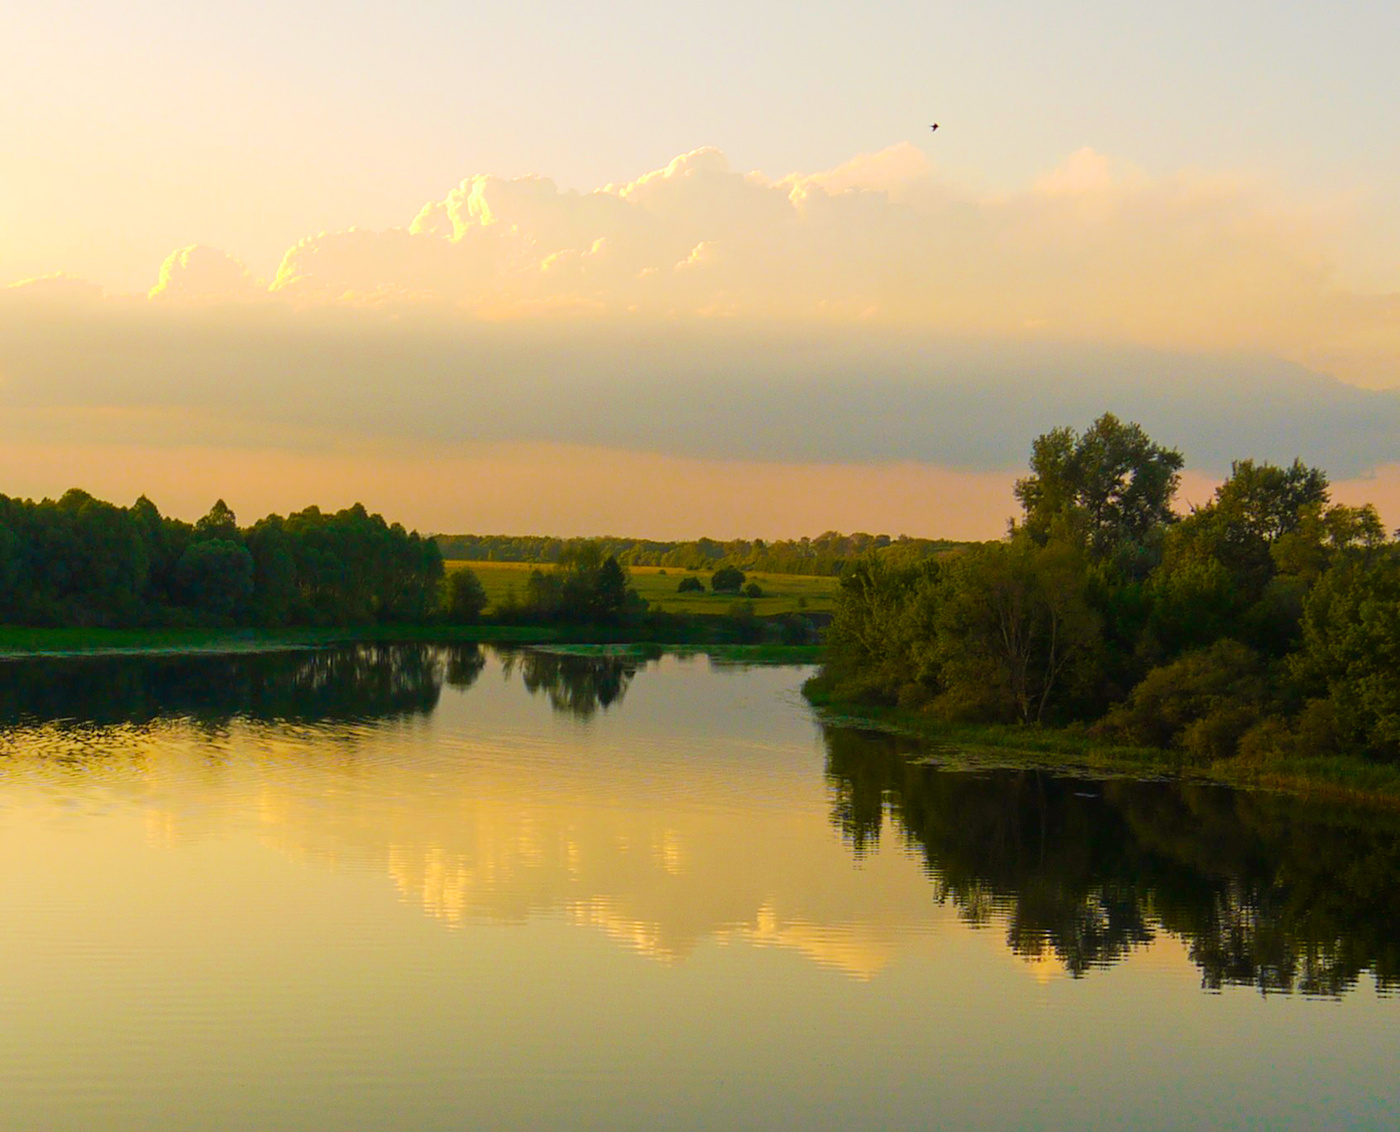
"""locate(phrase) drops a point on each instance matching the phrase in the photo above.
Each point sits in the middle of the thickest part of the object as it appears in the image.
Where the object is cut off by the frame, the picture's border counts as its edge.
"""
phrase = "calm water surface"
(430, 888)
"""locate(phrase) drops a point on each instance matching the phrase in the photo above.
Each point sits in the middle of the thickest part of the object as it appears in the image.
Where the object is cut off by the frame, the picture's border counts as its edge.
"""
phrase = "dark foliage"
(1265, 622)
(727, 580)
(80, 561)
(465, 597)
(584, 588)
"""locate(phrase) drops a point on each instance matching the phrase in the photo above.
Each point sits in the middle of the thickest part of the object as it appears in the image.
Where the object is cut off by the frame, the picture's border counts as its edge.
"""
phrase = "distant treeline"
(79, 561)
(827, 554)
(1263, 624)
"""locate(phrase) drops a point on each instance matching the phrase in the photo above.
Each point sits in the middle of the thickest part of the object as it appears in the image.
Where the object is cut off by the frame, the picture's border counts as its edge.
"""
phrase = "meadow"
(782, 593)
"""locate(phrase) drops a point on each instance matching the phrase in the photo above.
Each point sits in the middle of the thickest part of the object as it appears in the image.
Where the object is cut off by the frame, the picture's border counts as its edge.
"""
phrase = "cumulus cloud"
(1093, 250)
(865, 315)
(198, 273)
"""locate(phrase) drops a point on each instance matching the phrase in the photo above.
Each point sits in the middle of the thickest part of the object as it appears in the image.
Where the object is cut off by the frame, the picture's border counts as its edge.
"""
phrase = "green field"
(782, 593)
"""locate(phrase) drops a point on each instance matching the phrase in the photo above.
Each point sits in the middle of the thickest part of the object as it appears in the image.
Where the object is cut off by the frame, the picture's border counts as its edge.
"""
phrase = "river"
(447, 887)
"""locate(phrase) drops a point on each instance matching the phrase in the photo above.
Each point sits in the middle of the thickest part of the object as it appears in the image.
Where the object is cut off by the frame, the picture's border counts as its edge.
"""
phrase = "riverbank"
(1072, 750)
(18, 643)
(719, 653)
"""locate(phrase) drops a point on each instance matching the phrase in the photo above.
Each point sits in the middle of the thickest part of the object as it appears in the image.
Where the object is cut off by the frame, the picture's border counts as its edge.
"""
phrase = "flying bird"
(934, 126)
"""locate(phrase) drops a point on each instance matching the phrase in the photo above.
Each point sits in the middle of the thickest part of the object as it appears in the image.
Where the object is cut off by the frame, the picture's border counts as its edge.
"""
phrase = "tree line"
(80, 561)
(827, 554)
(1265, 622)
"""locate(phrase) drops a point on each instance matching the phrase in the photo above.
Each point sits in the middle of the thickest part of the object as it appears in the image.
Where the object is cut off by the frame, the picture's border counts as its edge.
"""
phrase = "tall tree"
(1112, 485)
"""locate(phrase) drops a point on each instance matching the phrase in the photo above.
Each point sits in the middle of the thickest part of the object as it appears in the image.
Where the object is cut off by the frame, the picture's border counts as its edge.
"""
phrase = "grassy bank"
(1333, 777)
(720, 653)
(17, 642)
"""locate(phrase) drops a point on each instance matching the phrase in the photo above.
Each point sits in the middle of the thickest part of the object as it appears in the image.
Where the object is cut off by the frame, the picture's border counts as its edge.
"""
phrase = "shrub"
(1202, 703)
(727, 580)
(690, 584)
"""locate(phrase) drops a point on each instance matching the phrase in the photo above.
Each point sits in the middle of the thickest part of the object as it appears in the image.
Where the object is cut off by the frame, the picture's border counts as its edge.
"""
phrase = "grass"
(17, 642)
(782, 593)
(720, 653)
(1338, 778)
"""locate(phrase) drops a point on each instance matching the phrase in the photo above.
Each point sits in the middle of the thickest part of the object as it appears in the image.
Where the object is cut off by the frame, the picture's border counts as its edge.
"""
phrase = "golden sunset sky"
(646, 270)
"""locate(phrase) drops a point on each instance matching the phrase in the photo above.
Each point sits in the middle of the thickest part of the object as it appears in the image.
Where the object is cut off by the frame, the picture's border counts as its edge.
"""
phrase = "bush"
(753, 589)
(1202, 703)
(690, 584)
(727, 580)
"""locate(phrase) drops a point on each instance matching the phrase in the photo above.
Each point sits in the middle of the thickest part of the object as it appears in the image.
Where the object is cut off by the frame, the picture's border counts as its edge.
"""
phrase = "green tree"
(274, 570)
(465, 597)
(219, 523)
(1241, 565)
(610, 597)
(882, 642)
(1015, 616)
(1112, 484)
(215, 576)
(1350, 652)
(727, 580)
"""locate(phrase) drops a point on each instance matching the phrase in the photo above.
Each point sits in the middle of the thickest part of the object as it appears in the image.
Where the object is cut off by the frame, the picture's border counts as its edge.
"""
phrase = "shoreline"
(19, 644)
(1332, 778)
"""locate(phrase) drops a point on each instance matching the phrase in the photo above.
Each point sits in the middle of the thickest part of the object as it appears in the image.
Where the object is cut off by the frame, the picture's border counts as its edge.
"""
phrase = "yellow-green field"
(782, 593)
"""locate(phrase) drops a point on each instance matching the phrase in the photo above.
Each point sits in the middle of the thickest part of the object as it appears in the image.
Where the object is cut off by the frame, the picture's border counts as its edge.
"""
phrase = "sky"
(657, 271)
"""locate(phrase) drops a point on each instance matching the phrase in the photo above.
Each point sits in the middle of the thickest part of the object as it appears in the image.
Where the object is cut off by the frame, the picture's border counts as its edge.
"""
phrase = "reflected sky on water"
(437, 887)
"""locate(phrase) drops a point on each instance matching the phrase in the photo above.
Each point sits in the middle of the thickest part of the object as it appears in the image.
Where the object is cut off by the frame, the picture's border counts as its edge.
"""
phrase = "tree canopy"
(1265, 621)
(1112, 485)
(81, 561)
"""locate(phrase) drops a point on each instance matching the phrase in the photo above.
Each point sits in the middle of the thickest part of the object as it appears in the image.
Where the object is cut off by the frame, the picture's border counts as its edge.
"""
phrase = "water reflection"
(485, 809)
(576, 684)
(664, 829)
(1266, 890)
(348, 684)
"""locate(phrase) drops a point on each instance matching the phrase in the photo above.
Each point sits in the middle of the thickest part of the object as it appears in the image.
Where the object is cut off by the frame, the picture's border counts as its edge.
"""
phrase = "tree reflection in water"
(359, 682)
(344, 684)
(579, 685)
(1266, 890)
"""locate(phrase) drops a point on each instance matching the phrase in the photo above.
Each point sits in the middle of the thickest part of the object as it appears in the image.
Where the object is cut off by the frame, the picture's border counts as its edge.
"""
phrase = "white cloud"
(1094, 250)
(197, 273)
(867, 314)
